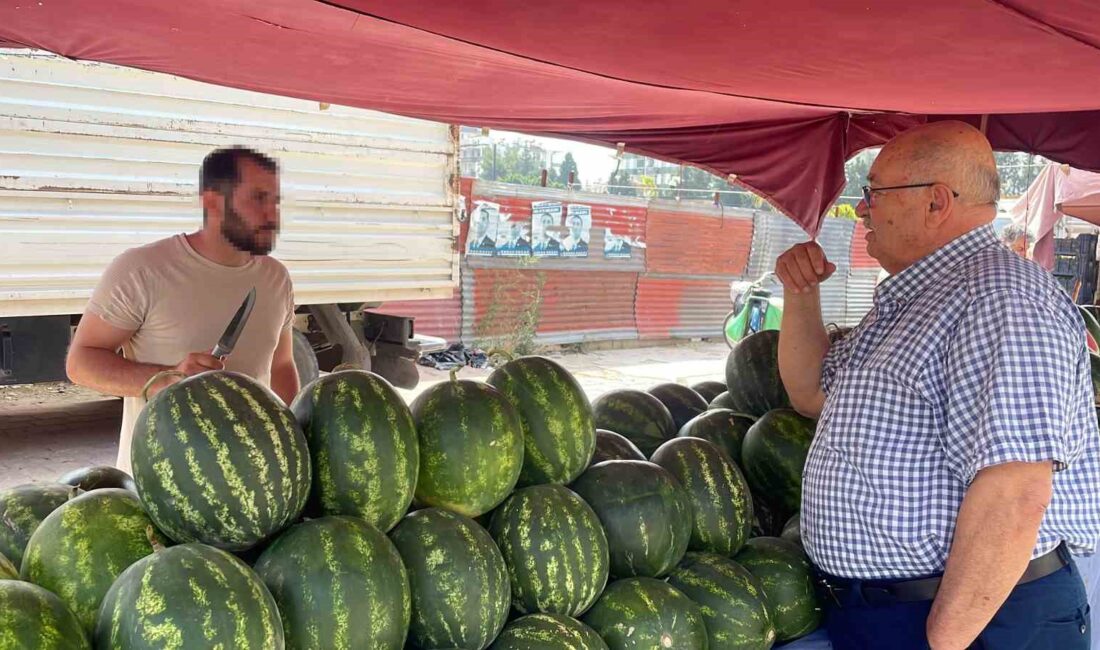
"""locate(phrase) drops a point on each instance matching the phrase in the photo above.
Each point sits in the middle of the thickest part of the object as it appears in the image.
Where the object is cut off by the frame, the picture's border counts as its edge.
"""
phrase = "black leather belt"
(881, 592)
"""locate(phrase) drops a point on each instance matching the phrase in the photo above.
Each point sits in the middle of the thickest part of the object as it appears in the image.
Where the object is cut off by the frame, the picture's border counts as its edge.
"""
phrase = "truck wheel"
(305, 360)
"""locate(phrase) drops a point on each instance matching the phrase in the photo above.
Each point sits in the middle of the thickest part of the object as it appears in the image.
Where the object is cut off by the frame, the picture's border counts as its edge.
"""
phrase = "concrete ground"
(49, 429)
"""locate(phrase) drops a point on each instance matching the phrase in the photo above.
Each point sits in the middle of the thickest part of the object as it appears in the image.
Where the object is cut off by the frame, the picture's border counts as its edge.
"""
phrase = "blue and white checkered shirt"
(971, 357)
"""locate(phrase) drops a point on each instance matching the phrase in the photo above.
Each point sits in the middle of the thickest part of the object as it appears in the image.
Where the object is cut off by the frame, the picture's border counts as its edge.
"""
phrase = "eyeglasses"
(868, 191)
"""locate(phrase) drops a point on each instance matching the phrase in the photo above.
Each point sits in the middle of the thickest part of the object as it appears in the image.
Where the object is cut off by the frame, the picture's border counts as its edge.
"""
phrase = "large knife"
(228, 340)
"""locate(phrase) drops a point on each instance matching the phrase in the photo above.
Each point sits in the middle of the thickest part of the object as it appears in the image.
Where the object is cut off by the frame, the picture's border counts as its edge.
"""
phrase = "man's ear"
(212, 204)
(940, 206)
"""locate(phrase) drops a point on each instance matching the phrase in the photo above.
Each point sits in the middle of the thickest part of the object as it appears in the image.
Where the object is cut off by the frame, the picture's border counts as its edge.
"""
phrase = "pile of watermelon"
(508, 513)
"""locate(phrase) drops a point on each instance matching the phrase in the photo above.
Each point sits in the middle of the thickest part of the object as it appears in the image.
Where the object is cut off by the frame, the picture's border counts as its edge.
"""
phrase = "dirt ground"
(49, 429)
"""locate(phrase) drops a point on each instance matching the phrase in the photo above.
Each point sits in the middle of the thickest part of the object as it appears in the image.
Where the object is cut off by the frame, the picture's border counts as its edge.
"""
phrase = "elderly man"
(955, 464)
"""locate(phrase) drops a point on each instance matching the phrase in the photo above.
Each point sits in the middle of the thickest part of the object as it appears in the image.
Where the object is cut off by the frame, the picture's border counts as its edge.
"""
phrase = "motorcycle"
(755, 309)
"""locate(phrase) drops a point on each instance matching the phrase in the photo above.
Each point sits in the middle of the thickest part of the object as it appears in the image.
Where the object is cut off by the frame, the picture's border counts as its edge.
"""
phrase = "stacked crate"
(1075, 267)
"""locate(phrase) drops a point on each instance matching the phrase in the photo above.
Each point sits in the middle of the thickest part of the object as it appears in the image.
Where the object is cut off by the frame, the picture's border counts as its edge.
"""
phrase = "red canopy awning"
(779, 93)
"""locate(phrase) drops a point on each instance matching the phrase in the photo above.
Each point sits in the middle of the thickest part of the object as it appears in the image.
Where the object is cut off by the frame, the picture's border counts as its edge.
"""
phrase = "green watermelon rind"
(81, 548)
(612, 446)
(548, 632)
(647, 613)
(752, 375)
(720, 498)
(363, 446)
(731, 599)
(774, 455)
(31, 617)
(471, 447)
(721, 426)
(559, 430)
(218, 459)
(638, 416)
(555, 549)
(785, 575)
(459, 582)
(22, 509)
(339, 582)
(682, 402)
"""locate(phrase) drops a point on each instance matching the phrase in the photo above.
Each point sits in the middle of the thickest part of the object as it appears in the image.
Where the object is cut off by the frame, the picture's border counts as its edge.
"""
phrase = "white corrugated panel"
(95, 159)
(861, 293)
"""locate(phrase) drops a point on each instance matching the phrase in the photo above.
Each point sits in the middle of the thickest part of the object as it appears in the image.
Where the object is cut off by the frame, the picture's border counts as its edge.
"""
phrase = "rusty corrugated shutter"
(440, 317)
(681, 307)
(858, 253)
(694, 238)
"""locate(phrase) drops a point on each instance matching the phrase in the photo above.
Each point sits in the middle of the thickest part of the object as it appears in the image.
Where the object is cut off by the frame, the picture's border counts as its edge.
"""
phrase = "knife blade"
(229, 339)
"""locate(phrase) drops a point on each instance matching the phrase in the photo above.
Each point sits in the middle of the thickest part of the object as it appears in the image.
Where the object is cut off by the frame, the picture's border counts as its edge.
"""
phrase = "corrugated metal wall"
(860, 258)
(440, 317)
(95, 159)
(681, 307)
(861, 291)
(696, 239)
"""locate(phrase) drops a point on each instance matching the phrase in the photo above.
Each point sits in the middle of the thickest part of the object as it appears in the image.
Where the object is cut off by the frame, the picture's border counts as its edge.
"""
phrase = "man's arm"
(803, 341)
(284, 374)
(94, 362)
(995, 533)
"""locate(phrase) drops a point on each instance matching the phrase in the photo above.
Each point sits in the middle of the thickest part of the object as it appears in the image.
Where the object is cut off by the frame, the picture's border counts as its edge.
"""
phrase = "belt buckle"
(829, 589)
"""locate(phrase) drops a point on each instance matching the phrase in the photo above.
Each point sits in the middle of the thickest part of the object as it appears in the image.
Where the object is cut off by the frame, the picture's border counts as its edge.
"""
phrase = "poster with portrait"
(546, 228)
(513, 237)
(578, 229)
(619, 246)
(484, 221)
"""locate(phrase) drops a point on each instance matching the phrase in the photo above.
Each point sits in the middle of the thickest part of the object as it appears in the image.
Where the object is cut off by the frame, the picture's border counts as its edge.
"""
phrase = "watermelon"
(555, 550)
(784, 573)
(612, 446)
(548, 632)
(639, 417)
(792, 530)
(32, 618)
(459, 582)
(752, 375)
(1094, 365)
(682, 402)
(723, 427)
(765, 521)
(218, 459)
(731, 599)
(339, 583)
(647, 614)
(558, 429)
(7, 569)
(81, 548)
(723, 401)
(98, 476)
(773, 455)
(471, 447)
(720, 501)
(645, 513)
(363, 443)
(188, 597)
(708, 390)
(22, 508)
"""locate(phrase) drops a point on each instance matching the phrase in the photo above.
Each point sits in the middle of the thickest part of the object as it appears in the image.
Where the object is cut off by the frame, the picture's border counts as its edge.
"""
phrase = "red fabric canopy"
(779, 93)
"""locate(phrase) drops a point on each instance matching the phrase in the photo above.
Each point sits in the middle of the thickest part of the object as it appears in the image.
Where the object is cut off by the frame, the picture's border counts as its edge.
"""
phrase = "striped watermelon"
(7, 569)
(97, 477)
(773, 455)
(723, 427)
(1094, 365)
(639, 417)
(548, 632)
(722, 401)
(765, 521)
(752, 375)
(22, 509)
(471, 447)
(218, 459)
(784, 573)
(32, 618)
(645, 513)
(555, 550)
(460, 588)
(647, 614)
(612, 446)
(188, 597)
(682, 402)
(81, 548)
(708, 390)
(720, 500)
(339, 583)
(792, 530)
(363, 443)
(558, 430)
(731, 599)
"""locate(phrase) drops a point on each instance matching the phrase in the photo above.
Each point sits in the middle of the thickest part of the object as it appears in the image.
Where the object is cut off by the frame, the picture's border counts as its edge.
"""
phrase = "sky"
(594, 163)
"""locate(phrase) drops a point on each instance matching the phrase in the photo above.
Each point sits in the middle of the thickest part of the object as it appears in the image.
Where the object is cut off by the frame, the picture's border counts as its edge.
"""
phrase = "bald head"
(953, 153)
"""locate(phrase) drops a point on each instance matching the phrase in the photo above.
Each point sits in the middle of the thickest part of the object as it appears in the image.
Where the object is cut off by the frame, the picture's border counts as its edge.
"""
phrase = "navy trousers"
(1048, 613)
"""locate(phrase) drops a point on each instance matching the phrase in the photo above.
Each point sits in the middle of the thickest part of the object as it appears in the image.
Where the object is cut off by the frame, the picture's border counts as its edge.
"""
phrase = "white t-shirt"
(178, 302)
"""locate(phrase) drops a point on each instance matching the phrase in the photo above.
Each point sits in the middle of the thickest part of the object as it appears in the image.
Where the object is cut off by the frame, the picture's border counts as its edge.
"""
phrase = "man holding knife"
(195, 302)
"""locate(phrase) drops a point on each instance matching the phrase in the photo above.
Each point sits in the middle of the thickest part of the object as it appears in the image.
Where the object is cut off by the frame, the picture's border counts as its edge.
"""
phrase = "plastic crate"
(1079, 246)
(1066, 265)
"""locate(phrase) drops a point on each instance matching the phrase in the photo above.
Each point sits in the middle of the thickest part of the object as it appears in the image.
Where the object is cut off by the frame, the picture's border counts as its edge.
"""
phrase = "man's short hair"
(221, 169)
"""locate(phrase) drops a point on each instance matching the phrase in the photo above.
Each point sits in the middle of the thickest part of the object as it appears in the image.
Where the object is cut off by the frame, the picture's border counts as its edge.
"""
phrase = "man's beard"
(243, 238)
